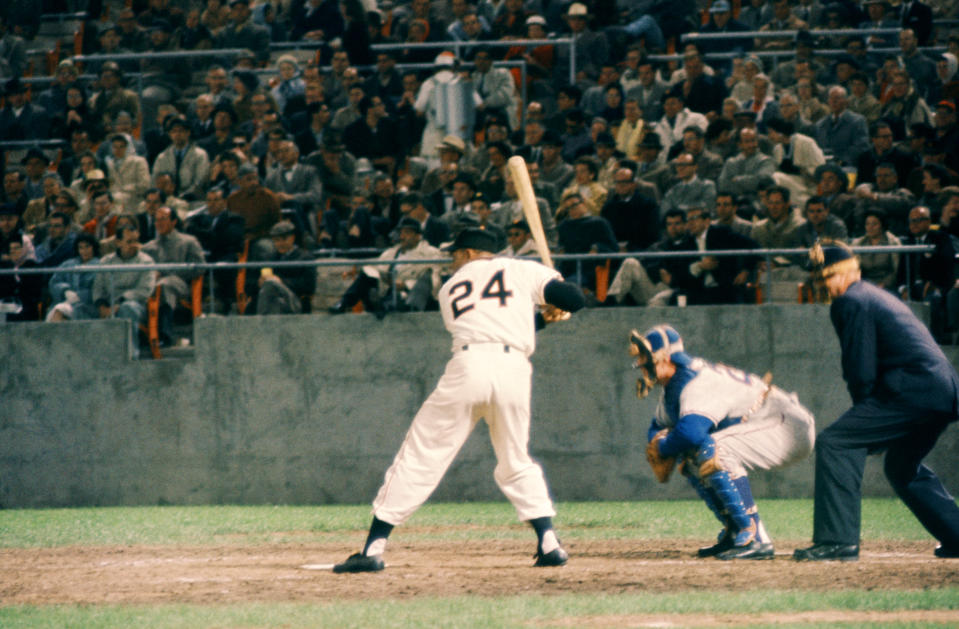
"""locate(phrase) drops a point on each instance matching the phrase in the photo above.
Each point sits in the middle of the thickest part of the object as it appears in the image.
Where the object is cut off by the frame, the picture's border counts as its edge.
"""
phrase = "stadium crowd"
(305, 137)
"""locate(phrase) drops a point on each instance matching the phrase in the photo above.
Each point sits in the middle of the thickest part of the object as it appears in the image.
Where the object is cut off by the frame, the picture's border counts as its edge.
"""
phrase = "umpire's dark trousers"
(908, 435)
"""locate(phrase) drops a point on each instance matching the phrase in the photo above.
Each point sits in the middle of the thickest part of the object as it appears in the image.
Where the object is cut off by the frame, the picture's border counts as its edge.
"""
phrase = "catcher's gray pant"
(482, 381)
(780, 432)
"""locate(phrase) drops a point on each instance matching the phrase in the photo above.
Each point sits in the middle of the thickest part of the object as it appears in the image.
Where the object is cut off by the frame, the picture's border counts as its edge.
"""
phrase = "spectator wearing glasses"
(882, 150)
(927, 277)
(520, 241)
(58, 245)
(690, 190)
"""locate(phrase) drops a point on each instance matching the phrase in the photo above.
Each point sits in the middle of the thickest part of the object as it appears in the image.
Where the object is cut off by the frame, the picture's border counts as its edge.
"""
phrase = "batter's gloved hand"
(662, 467)
(552, 314)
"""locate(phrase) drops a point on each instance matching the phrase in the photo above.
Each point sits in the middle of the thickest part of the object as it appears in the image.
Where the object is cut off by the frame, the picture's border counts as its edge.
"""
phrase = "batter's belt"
(486, 347)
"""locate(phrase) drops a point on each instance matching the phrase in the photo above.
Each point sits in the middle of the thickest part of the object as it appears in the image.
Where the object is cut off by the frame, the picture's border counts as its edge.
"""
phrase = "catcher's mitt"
(552, 314)
(662, 467)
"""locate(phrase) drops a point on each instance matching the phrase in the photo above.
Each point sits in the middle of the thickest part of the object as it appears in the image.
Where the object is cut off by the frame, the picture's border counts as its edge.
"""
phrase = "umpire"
(905, 393)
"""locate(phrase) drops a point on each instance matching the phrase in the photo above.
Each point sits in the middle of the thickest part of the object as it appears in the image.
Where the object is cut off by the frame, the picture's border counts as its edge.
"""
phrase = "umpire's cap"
(831, 257)
(474, 238)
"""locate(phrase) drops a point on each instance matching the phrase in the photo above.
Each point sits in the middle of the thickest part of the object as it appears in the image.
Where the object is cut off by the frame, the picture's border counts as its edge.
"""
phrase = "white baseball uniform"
(753, 428)
(489, 307)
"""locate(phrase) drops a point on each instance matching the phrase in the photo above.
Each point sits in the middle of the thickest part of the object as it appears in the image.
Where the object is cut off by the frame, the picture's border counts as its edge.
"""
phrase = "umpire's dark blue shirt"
(889, 354)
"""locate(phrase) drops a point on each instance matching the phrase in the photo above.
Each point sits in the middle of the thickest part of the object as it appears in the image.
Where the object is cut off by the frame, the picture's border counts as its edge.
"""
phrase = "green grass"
(248, 526)
(234, 525)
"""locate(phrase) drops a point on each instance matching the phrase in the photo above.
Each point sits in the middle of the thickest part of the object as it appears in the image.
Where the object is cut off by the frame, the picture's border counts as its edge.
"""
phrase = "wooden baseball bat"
(524, 188)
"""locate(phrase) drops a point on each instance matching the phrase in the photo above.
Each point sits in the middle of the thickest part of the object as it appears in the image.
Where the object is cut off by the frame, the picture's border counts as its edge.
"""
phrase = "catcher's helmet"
(657, 344)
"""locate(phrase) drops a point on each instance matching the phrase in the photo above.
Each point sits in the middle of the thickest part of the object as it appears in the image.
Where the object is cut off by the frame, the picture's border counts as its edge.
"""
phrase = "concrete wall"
(311, 409)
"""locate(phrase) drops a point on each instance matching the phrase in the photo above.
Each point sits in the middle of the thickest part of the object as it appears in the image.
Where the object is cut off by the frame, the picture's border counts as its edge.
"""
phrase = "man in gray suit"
(297, 185)
(843, 133)
(649, 91)
(741, 174)
(496, 87)
(243, 32)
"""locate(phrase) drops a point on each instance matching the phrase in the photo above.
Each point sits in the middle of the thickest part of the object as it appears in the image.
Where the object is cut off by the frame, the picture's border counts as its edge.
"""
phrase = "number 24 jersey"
(493, 300)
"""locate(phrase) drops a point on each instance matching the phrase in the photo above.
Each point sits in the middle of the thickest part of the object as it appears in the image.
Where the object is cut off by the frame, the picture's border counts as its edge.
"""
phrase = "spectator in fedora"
(284, 290)
(34, 164)
(184, 161)
(20, 119)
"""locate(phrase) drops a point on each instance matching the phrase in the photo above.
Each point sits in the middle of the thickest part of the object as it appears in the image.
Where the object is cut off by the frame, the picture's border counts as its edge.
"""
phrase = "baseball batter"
(719, 421)
(488, 305)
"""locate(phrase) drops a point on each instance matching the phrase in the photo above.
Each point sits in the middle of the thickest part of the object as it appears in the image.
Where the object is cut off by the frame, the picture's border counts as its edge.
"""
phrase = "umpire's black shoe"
(359, 562)
(946, 552)
(753, 550)
(828, 552)
(555, 557)
(725, 542)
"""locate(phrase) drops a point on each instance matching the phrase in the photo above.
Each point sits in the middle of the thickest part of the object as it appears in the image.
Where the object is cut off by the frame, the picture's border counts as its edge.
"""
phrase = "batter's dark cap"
(474, 238)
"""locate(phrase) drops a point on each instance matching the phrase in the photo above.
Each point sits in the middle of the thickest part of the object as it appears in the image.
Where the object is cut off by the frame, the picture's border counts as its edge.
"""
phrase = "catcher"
(716, 421)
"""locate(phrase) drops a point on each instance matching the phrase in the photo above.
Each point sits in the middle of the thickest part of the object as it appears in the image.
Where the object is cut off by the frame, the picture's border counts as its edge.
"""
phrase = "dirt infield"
(276, 573)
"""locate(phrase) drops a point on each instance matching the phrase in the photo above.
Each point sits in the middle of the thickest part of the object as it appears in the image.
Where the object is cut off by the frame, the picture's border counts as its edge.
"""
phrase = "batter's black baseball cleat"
(555, 557)
(828, 552)
(753, 550)
(359, 562)
(946, 553)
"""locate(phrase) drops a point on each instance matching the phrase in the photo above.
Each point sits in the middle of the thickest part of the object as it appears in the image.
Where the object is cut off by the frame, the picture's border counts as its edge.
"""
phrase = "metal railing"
(456, 45)
(64, 17)
(695, 36)
(153, 56)
(776, 55)
(518, 63)
(210, 268)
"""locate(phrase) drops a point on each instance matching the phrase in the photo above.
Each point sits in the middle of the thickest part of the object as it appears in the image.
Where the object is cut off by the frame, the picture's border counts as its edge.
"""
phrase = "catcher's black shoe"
(555, 557)
(946, 553)
(723, 543)
(753, 550)
(828, 552)
(358, 562)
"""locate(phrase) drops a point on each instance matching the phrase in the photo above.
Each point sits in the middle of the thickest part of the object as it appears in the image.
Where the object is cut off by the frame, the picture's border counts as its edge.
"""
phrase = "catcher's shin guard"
(718, 479)
(746, 493)
(689, 470)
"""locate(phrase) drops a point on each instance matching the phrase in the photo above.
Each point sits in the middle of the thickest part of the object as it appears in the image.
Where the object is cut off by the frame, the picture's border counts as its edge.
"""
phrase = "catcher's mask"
(654, 346)
(828, 258)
